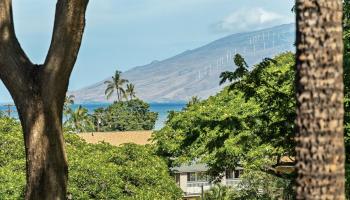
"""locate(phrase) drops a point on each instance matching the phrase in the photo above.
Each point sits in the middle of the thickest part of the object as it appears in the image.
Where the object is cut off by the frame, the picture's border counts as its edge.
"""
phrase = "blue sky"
(121, 34)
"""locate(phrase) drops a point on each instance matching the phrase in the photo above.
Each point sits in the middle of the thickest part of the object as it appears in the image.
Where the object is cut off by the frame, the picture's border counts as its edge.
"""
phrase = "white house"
(193, 179)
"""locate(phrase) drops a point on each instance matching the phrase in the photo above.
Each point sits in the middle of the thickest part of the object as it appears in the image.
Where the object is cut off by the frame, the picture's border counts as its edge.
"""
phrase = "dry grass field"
(118, 138)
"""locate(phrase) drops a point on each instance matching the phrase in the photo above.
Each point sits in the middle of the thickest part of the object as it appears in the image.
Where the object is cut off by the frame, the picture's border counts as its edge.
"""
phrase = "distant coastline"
(161, 108)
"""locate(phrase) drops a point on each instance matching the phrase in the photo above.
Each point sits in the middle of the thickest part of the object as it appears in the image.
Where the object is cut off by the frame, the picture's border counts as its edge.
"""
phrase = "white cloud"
(250, 19)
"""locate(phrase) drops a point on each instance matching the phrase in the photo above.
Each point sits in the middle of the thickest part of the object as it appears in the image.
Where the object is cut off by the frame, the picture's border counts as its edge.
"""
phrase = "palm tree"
(80, 120)
(68, 101)
(194, 100)
(116, 84)
(130, 91)
(99, 116)
(242, 70)
(320, 152)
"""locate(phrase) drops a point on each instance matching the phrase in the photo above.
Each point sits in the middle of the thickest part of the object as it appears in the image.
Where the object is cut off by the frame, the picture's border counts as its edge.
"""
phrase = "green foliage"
(2, 114)
(12, 163)
(97, 171)
(120, 116)
(255, 185)
(250, 123)
(126, 116)
(79, 120)
(241, 71)
(219, 192)
(106, 172)
(260, 185)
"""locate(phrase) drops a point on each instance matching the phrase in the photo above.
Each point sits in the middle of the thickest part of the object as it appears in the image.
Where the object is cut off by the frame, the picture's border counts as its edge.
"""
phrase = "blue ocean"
(161, 108)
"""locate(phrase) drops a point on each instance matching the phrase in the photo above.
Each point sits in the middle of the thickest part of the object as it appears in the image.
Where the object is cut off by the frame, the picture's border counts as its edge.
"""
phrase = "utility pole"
(9, 110)
(202, 192)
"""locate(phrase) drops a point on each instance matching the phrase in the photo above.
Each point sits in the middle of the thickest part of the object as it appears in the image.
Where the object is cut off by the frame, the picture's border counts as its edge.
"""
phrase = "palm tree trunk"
(320, 150)
(118, 94)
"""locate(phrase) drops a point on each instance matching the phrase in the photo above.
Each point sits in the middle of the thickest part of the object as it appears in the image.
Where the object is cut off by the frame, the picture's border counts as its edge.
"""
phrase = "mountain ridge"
(196, 72)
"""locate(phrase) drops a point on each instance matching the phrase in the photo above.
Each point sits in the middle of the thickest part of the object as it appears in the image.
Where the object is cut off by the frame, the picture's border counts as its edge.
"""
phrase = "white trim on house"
(193, 181)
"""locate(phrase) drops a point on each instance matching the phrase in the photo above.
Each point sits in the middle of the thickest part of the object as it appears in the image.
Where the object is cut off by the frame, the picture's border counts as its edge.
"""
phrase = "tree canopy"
(131, 115)
(98, 171)
(245, 124)
(249, 124)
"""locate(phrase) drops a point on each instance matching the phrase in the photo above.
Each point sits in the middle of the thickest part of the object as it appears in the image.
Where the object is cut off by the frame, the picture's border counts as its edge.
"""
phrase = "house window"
(191, 176)
(199, 176)
(232, 174)
(236, 173)
(229, 174)
(177, 179)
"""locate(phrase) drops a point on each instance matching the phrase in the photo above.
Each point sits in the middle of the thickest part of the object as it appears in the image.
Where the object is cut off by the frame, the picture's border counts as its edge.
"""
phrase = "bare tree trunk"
(320, 150)
(47, 170)
(39, 92)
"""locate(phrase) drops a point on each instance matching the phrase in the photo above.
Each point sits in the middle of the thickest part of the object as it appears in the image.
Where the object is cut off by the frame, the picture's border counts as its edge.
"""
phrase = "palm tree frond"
(109, 94)
(108, 82)
(109, 90)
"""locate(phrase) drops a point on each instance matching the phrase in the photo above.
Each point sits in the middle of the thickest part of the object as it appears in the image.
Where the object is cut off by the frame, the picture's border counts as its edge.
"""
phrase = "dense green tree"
(258, 111)
(128, 172)
(127, 116)
(116, 85)
(101, 171)
(249, 124)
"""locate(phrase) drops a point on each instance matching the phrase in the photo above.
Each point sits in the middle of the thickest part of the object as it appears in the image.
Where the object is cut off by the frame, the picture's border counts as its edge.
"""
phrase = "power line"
(9, 109)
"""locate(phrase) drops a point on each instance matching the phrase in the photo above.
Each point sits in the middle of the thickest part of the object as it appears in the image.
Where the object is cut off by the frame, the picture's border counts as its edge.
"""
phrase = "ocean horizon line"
(104, 102)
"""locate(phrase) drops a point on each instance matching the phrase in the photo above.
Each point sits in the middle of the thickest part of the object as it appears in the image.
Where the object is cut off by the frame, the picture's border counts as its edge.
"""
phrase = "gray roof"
(194, 167)
(190, 168)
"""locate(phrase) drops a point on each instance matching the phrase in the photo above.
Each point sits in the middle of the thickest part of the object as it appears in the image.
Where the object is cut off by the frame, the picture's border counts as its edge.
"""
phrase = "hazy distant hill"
(196, 72)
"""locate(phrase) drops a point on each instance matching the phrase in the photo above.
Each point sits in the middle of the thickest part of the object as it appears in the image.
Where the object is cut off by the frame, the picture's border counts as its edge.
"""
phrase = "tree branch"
(65, 44)
(14, 63)
(283, 169)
